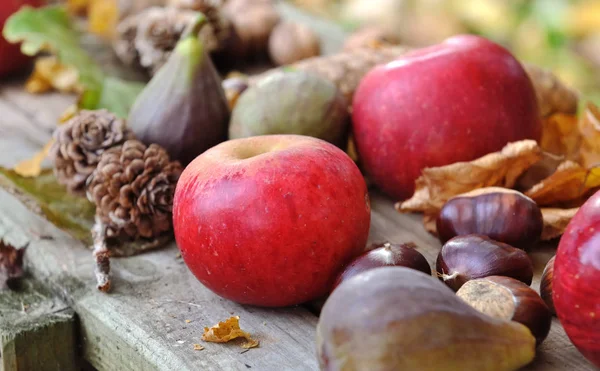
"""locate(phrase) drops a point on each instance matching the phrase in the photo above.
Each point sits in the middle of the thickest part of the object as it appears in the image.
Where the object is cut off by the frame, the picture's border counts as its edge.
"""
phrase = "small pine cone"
(133, 188)
(344, 69)
(146, 39)
(79, 143)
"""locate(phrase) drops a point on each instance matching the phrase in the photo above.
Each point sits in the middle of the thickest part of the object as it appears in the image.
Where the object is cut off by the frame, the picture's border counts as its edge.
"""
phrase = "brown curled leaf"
(553, 95)
(560, 136)
(589, 127)
(556, 221)
(228, 330)
(11, 263)
(502, 169)
(568, 184)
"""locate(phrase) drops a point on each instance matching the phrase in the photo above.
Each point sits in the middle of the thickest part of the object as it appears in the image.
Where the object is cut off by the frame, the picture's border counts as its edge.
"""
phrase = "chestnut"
(504, 215)
(464, 258)
(546, 285)
(386, 254)
(509, 299)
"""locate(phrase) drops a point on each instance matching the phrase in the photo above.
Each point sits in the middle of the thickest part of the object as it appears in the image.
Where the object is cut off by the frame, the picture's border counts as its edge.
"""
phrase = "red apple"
(11, 58)
(455, 101)
(576, 281)
(270, 220)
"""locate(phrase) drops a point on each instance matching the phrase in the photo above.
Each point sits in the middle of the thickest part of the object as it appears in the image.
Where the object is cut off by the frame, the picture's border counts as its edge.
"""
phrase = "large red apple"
(271, 220)
(11, 58)
(455, 101)
(576, 281)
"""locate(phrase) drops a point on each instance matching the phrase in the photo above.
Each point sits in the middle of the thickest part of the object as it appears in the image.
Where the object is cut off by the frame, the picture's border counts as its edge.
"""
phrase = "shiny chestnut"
(502, 214)
(546, 285)
(386, 254)
(509, 299)
(464, 258)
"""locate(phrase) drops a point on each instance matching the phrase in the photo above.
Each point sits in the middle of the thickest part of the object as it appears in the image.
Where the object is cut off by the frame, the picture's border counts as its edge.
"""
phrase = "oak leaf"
(437, 185)
(570, 183)
(556, 221)
(228, 330)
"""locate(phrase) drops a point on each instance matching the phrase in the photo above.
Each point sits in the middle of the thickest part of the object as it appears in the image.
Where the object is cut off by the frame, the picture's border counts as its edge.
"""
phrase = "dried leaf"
(228, 330)
(32, 167)
(589, 126)
(78, 7)
(436, 185)
(11, 263)
(198, 347)
(553, 95)
(556, 221)
(569, 183)
(50, 74)
(538, 172)
(429, 222)
(560, 136)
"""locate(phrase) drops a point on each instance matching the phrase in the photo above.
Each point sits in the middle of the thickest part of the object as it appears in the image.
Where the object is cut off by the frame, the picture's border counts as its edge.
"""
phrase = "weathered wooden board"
(143, 324)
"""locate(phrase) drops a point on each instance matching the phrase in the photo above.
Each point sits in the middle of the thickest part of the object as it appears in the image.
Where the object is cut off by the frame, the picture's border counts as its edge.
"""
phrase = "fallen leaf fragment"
(188, 321)
(78, 7)
(556, 221)
(553, 95)
(589, 127)
(560, 135)
(103, 17)
(32, 167)
(569, 183)
(49, 74)
(228, 330)
(437, 185)
(11, 263)
(198, 347)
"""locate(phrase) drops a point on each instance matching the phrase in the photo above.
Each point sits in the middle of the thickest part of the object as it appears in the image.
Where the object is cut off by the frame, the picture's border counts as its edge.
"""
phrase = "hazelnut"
(291, 42)
(386, 254)
(509, 299)
(252, 23)
(546, 285)
(502, 214)
(464, 258)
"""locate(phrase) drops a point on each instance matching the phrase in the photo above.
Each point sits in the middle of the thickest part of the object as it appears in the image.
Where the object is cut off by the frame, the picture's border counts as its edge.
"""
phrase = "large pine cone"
(133, 188)
(146, 39)
(79, 143)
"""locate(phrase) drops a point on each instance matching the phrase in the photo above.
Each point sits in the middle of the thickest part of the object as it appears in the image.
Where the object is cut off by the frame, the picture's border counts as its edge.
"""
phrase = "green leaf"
(73, 214)
(50, 28)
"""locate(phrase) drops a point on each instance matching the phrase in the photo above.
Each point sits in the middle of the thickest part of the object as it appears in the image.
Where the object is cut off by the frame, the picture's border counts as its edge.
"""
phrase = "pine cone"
(146, 39)
(79, 143)
(132, 188)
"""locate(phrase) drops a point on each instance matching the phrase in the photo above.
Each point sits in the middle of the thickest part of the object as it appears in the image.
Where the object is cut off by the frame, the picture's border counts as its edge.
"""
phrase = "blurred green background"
(562, 35)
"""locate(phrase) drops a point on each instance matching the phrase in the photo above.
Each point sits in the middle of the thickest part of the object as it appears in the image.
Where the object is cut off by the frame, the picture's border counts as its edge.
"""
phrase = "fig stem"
(101, 256)
(193, 29)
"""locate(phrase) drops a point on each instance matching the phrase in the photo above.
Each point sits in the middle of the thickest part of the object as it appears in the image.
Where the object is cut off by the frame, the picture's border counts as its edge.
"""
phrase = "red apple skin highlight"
(576, 282)
(271, 220)
(455, 101)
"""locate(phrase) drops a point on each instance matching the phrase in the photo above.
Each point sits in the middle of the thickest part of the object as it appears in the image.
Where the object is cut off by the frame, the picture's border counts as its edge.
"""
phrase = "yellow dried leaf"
(103, 17)
(78, 7)
(556, 221)
(198, 347)
(228, 330)
(50, 74)
(569, 183)
(436, 185)
(32, 167)
(68, 114)
(560, 136)
(589, 127)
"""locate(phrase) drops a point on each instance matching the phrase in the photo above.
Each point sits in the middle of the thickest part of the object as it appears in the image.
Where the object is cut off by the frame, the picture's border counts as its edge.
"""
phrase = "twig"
(101, 256)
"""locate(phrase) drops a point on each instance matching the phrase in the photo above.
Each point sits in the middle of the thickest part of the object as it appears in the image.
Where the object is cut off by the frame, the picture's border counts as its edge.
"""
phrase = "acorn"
(292, 102)
(509, 299)
(183, 108)
(464, 258)
(291, 42)
(386, 254)
(505, 215)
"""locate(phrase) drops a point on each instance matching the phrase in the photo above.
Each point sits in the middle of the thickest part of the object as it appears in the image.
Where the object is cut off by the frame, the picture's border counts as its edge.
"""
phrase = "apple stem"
(101, 256)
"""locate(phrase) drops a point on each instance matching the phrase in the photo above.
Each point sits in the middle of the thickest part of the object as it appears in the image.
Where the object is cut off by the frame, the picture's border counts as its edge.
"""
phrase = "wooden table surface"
(158, 310)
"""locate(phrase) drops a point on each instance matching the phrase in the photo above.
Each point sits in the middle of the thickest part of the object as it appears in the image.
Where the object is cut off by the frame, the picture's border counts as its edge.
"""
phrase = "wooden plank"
(37, 330)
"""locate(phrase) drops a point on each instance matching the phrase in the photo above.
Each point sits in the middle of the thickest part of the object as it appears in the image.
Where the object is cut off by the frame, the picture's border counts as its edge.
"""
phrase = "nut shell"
(509, 299)
(464, 258)
(291, 42)
(386, 254)
(504, 215)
